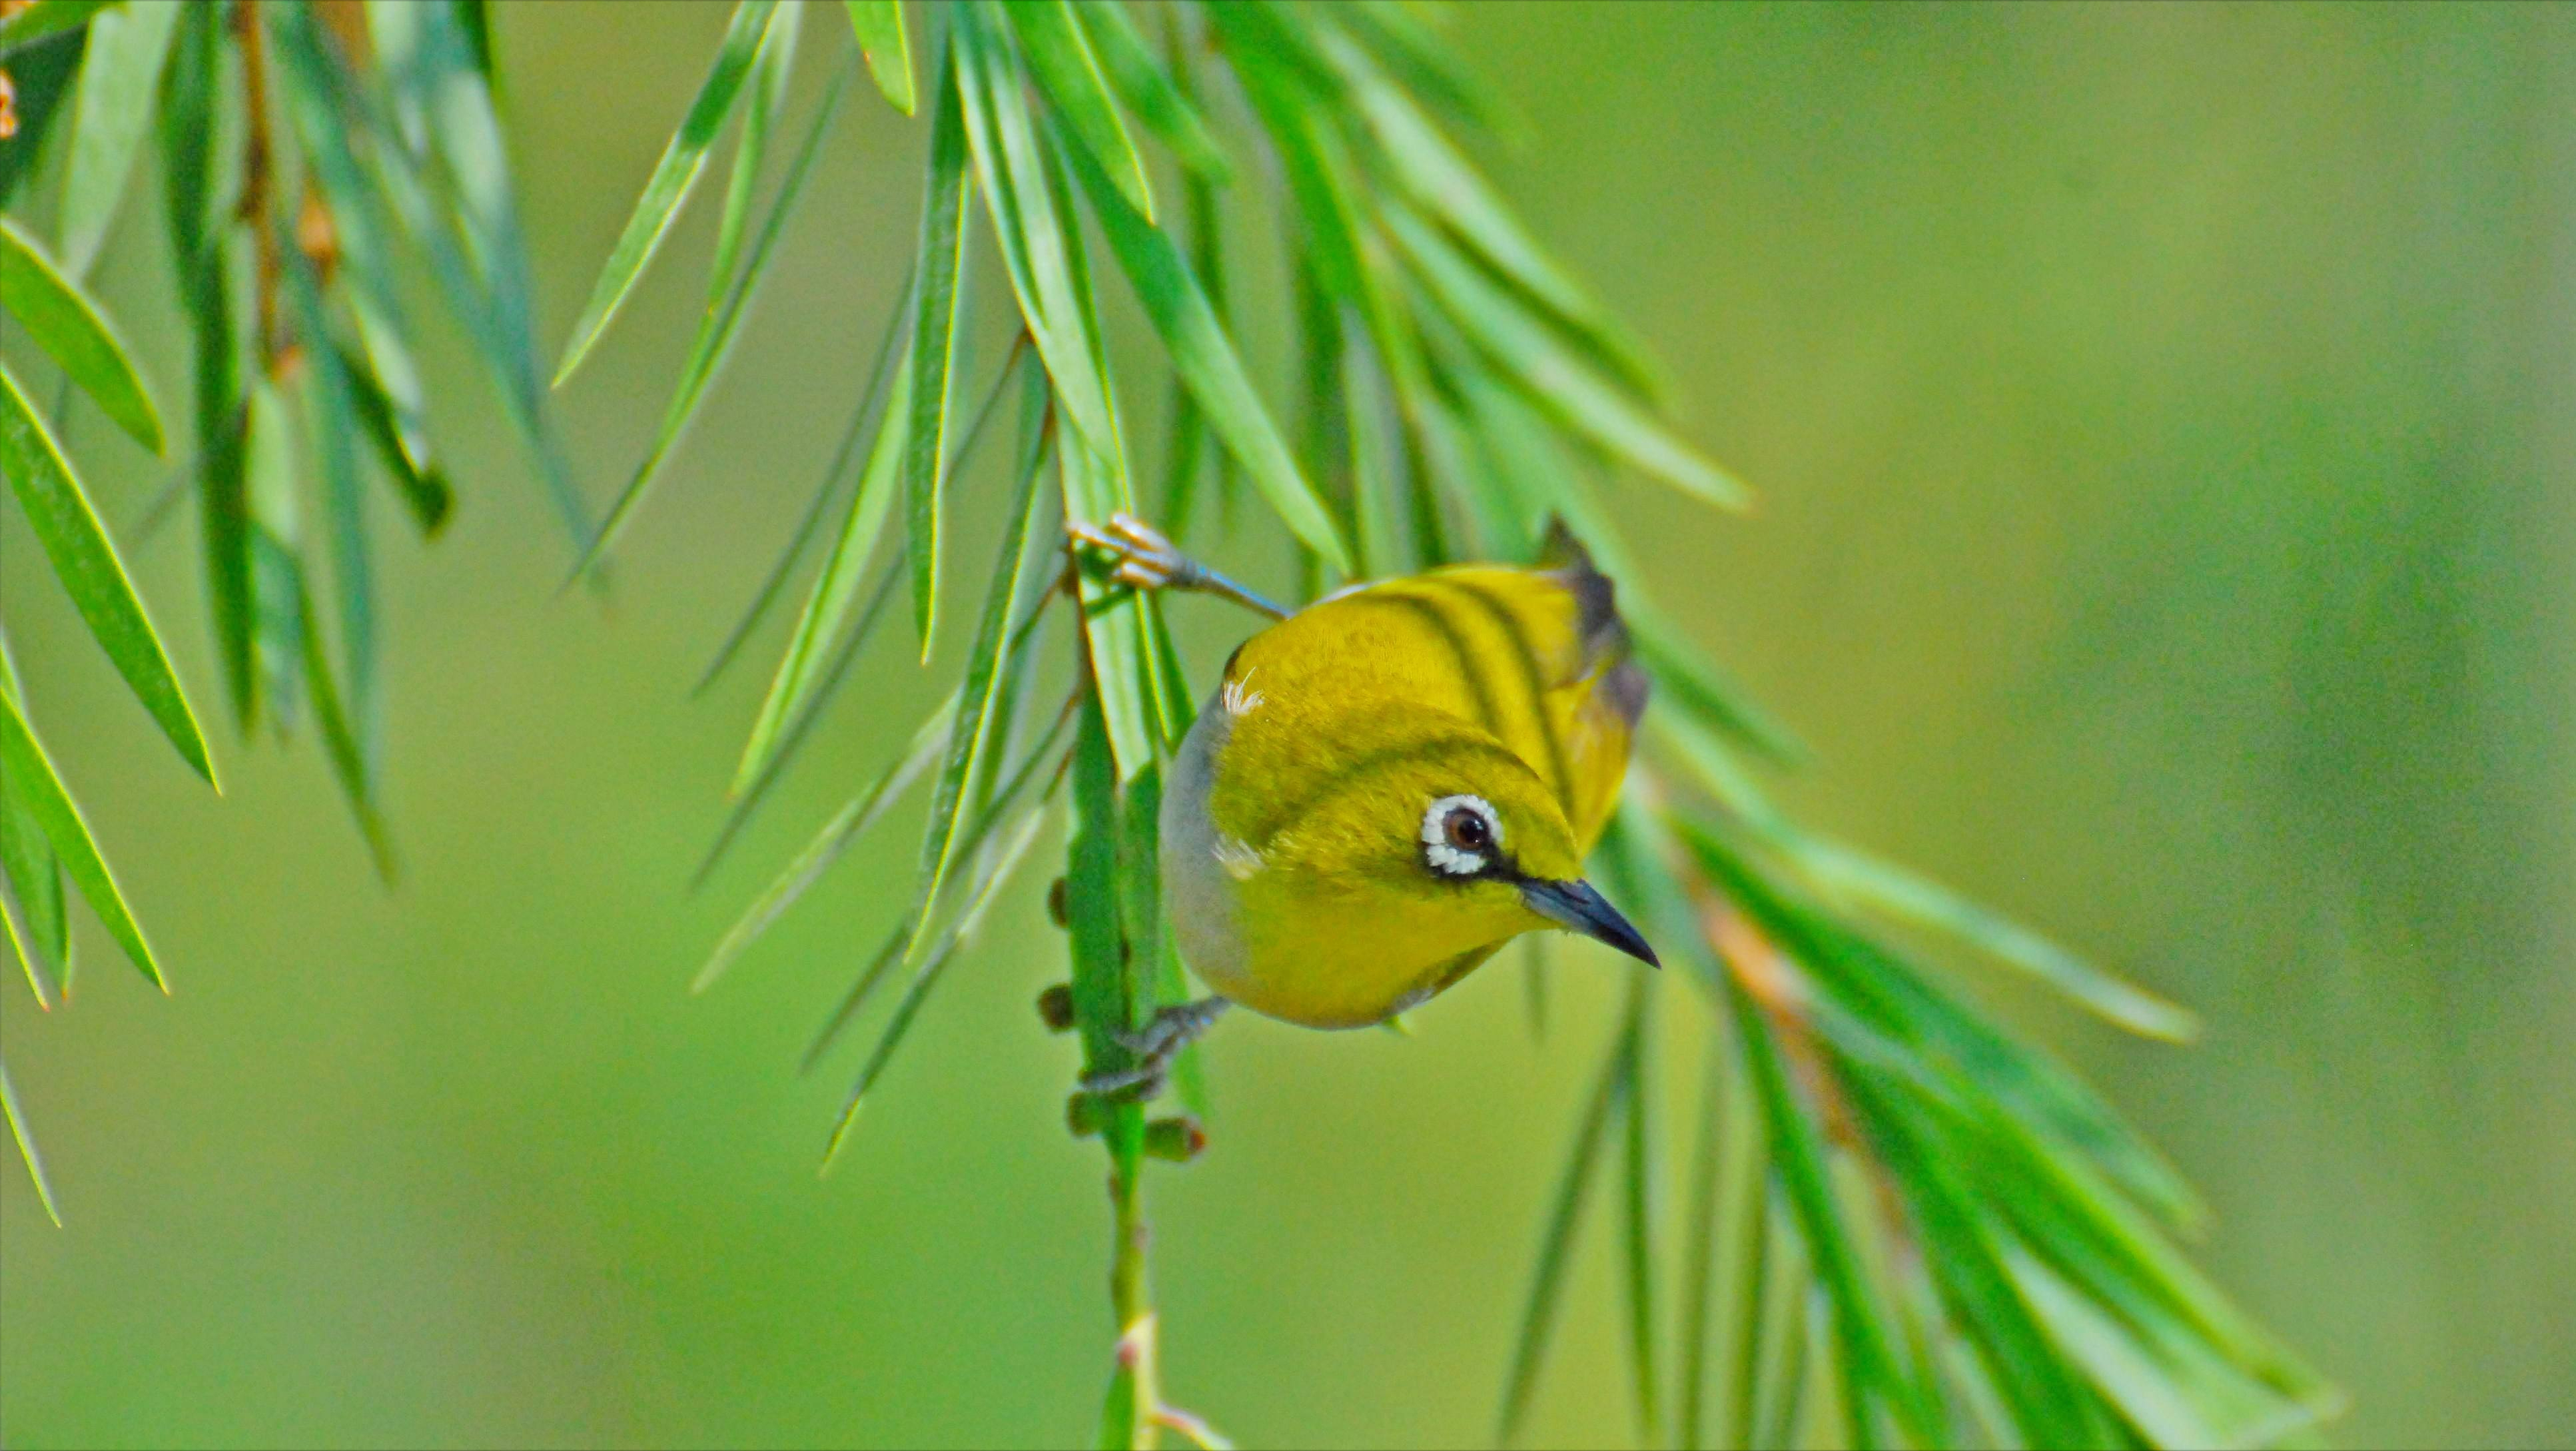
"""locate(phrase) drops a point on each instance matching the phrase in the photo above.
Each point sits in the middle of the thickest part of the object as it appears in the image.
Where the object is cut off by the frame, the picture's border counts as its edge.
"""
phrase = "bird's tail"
(1606, 650)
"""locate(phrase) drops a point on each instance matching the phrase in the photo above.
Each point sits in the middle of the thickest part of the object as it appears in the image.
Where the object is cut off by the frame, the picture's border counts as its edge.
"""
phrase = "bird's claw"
(1145, 559)
(1154, 1047)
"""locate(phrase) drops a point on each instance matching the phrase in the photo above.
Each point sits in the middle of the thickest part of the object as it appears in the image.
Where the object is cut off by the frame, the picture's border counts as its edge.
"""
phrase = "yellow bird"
(1389, 785)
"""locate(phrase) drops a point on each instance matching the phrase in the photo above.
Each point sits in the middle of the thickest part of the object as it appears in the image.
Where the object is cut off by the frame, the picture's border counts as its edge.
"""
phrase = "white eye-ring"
(1460, 834)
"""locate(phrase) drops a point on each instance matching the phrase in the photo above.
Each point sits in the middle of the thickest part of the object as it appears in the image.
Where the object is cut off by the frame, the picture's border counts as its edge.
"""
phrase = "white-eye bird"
(1388, 785)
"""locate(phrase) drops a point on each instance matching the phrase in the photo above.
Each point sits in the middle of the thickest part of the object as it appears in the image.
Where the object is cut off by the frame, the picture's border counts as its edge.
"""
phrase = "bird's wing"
(1537, 656)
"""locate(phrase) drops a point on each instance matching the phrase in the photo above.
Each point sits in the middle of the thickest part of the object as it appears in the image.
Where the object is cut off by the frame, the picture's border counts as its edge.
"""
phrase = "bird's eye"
(1467, 831)
(1460, 835)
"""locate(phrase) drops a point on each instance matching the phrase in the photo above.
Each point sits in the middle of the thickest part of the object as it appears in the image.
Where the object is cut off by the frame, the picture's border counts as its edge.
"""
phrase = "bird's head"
(1436, 832)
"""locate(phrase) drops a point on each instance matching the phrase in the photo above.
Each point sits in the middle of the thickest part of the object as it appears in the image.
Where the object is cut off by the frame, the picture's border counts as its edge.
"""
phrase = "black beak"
(1581, 909)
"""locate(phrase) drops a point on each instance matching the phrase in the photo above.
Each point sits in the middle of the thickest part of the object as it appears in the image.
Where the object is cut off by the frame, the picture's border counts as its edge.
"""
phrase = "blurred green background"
(2166, 426)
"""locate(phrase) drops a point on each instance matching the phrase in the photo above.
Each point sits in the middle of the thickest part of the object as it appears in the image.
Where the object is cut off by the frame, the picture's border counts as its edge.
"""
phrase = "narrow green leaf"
(34, 881)
(1062, 61)
(986, 822)
(1699, 1273)
(1112, 620)
(774, 65)
(44, 18)
(421, 486)
(1890, 999)
(32, 776)
(1372, 445)
(1684, 677)
(673, 177)
(43, 75)
(1637, 1225)
(798, 712)
(828, 604)
(2048, 1405)
(191, 89)
(828, 844)
(820, 504)
(1205, 359)
(1568, 388)
(1041, 249)
(1161, 102)
(277, 557)
(1556, 1247)
(346, 748)
(1859, 879)
(936, 272)
(67, 324)
(85, 560)
(800, 721)
(1425, 65)
(120, 75)
(1753, 1252)
(332, 429)
(729, 296)
(1866, 1360)
(2145, 1390)
(879, 27)
(983, 687)
(1447, 186)
(26, 1142)
(474, 18)
(1013, 849)
(442, 161)
(1101, 1006)
(44, 979)
(1207, 261)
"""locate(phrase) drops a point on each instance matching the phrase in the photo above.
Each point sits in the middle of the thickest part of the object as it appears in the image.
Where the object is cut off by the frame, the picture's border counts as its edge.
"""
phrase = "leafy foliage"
(299, 146)
(1903, 1224)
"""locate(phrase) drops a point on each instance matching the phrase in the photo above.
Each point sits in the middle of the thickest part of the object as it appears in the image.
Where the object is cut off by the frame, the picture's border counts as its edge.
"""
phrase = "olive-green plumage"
(1395, 781)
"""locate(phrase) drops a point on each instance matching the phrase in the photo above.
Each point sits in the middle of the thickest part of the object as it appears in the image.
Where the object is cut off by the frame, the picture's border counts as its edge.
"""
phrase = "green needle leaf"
(1152, 93)
(673, 177)
(1637, 1224)
(986, 823)
(46, 17)
(879, 27)
(191, 89)
(120, 72)
(984, 687)
(347, 751)
(836, 837)
(1004, 861)
(423, 488)
(31, 882)
(1866, 1360)
(69, 530)
(835, 590)
(27, 1146)
(933, 364)
(726, 305)
(1036, 230)
(1556, 1247)
(67, 324)
(1205, 359)
(817, 506)
(1859, 879)
(40, 927)
(32, 776)
(1569, 389)
(1061, 59)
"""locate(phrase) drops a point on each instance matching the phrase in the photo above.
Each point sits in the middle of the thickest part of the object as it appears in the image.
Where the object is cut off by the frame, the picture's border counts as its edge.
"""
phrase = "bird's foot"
(1142, 558)
(1155, 1046)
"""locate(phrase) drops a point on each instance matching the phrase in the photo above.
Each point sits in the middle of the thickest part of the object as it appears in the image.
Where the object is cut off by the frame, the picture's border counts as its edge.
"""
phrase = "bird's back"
(1535, 656)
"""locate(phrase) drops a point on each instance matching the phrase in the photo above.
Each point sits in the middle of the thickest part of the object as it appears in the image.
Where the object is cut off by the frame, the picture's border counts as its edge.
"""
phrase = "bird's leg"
(1155, 1046)
(1147, 560)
